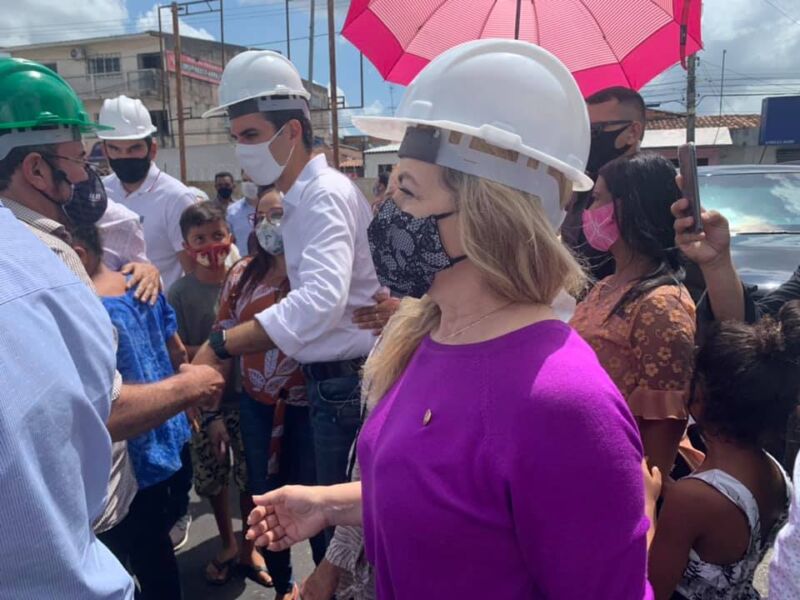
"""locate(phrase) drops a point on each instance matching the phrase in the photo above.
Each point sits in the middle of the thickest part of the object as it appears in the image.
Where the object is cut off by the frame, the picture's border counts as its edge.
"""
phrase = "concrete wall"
(373, 160)
(746, 149)
(202, 162)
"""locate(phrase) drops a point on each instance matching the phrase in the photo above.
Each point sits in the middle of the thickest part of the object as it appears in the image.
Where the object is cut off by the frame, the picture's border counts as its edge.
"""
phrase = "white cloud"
(149, 21)
(346, 116)
(40, 21)
(762, 45)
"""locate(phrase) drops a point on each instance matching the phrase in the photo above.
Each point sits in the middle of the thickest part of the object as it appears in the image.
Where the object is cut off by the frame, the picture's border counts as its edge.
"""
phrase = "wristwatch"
(217, 342)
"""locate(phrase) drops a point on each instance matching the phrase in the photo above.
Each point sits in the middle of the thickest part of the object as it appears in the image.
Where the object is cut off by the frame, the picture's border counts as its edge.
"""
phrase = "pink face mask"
(600, 227)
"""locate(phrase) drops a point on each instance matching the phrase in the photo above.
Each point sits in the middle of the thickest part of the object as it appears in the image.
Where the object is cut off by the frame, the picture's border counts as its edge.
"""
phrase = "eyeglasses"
(273, 217)
(88, 165)
(601, 126)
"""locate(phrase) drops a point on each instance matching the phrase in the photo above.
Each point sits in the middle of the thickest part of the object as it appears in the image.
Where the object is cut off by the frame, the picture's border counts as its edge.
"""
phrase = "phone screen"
(687, 159)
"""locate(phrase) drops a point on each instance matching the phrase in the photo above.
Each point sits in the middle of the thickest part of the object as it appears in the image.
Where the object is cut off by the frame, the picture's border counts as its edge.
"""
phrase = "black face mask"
(225, 193)
(407, 251)
(89, 200)
(130, 170)
(603, 150)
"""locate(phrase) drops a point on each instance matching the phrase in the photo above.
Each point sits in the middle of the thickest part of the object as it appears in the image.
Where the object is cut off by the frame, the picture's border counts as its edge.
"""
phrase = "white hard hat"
(512, 95)
(258, 74)
(129, 118)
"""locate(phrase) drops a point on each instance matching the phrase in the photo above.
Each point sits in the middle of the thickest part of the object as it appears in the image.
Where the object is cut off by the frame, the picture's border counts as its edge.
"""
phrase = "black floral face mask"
(407, 251)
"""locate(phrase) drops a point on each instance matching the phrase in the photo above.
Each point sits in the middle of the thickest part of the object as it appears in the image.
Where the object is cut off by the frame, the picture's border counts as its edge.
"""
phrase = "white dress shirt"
(159, 201)
(238, 220)
(324, 226)
(122, 235)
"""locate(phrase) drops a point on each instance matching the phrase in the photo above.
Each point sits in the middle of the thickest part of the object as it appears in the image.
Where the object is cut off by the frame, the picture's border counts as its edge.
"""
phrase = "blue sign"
(780, 121)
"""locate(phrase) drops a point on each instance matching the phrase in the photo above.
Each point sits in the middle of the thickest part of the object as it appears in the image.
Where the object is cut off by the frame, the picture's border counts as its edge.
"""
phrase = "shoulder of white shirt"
(117, 213)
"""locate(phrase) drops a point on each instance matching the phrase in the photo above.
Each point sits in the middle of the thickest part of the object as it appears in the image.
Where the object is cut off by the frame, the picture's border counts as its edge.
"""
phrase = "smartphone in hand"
(687, 159)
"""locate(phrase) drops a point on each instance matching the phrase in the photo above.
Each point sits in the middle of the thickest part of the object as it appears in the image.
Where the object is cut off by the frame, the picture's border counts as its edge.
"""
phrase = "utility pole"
(222, 29)
(311, 50)
(164, 85)
(334, 87)
(722, 83)
(179, 89)
(288, 34)
(691, 98)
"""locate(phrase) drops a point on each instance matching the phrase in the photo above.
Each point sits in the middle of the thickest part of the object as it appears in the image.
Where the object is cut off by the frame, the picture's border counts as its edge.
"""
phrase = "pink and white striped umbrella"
(603, 42)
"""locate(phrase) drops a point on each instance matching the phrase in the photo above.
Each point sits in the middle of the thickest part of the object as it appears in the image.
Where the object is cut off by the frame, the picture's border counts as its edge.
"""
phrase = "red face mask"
(211, 256)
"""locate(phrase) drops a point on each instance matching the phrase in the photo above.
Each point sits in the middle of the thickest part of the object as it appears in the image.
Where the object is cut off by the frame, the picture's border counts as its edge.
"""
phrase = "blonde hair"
(507, 236)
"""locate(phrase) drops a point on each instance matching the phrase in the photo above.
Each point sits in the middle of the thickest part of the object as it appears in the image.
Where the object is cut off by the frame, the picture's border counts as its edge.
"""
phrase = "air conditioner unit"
(77, 53)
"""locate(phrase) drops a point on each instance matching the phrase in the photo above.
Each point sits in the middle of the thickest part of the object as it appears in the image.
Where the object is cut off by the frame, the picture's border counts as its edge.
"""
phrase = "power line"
(783, 12)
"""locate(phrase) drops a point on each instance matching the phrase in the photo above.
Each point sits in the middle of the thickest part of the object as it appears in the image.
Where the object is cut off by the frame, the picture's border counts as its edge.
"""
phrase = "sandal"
(221, 567)
(252, 572)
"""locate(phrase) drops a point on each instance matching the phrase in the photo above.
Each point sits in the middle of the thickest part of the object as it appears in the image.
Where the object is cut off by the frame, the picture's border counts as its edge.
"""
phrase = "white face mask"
(259, 163)
(250, 190)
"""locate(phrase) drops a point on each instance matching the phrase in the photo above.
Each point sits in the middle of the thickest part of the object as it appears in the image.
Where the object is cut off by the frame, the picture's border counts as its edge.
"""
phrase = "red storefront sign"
(196, 69)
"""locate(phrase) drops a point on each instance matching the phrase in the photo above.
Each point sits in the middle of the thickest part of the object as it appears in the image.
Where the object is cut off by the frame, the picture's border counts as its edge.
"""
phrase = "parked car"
(762, 203)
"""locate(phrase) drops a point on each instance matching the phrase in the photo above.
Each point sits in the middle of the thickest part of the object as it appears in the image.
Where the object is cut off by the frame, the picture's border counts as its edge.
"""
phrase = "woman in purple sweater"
(498, 459)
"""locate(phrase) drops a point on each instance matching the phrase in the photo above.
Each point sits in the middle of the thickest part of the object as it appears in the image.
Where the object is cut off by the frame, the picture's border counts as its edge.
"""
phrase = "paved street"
(202, 545)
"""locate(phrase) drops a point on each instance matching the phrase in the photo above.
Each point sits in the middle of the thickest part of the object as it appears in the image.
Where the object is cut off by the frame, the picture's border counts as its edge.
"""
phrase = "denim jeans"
(335, 418)
(296, 467)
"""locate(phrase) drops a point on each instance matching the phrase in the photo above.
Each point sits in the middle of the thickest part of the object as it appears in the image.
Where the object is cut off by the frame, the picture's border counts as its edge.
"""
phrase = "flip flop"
(221, 567)
(252, 572)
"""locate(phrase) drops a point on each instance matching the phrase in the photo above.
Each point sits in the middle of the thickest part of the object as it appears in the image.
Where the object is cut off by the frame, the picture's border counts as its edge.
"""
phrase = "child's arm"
(652, 492)
(679, 525)
(177, 352)
(191, 351)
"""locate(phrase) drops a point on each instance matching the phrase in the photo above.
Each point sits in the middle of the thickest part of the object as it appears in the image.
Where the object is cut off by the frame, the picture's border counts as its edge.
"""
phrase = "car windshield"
(754, 202)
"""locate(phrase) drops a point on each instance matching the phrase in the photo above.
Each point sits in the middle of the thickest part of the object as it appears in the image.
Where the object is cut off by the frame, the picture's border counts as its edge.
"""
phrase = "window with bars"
(150, 60)
(99, 65)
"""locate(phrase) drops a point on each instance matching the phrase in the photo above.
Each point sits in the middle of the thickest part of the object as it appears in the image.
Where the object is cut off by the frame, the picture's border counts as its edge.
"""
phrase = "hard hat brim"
(394, 129)
(121, 138)
(222, 109)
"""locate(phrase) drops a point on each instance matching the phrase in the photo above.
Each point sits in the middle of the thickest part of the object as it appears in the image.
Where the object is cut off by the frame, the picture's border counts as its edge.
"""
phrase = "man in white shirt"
(241, 213)
(138, 184)
(324, 230)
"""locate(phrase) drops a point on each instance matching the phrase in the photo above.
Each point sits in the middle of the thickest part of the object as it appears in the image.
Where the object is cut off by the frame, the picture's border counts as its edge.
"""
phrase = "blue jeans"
(335, 418)
(296, 467)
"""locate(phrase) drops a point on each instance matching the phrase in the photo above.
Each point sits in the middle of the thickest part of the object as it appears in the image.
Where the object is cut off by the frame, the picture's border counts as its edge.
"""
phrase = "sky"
(761, 39)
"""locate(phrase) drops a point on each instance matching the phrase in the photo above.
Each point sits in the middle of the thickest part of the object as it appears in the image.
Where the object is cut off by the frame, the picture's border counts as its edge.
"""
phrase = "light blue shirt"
(238, 220)
(56, 375)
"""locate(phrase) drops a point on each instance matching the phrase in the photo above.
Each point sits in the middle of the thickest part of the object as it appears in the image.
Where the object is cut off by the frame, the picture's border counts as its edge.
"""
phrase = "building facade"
(135, 65)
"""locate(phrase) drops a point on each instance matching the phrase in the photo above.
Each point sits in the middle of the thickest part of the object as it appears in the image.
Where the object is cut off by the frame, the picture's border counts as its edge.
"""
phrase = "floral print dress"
(647, 348)
(706, 581)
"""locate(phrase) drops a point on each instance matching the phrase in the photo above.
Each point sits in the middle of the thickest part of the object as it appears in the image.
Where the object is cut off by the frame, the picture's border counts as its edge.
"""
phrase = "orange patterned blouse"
(266, 376)
(648, 350)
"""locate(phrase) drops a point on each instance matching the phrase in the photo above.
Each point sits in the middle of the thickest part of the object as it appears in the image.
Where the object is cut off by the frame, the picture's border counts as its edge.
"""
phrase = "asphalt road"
(204, 543)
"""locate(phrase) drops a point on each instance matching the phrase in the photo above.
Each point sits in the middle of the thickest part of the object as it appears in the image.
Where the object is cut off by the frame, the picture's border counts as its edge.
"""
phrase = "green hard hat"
(36, 99)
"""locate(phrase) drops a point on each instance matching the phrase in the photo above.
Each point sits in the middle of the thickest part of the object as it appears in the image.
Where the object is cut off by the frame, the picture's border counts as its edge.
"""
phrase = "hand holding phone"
(687, 159)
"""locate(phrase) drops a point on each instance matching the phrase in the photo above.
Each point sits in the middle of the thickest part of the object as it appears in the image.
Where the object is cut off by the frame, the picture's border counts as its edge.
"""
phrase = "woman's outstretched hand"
(286, 516)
